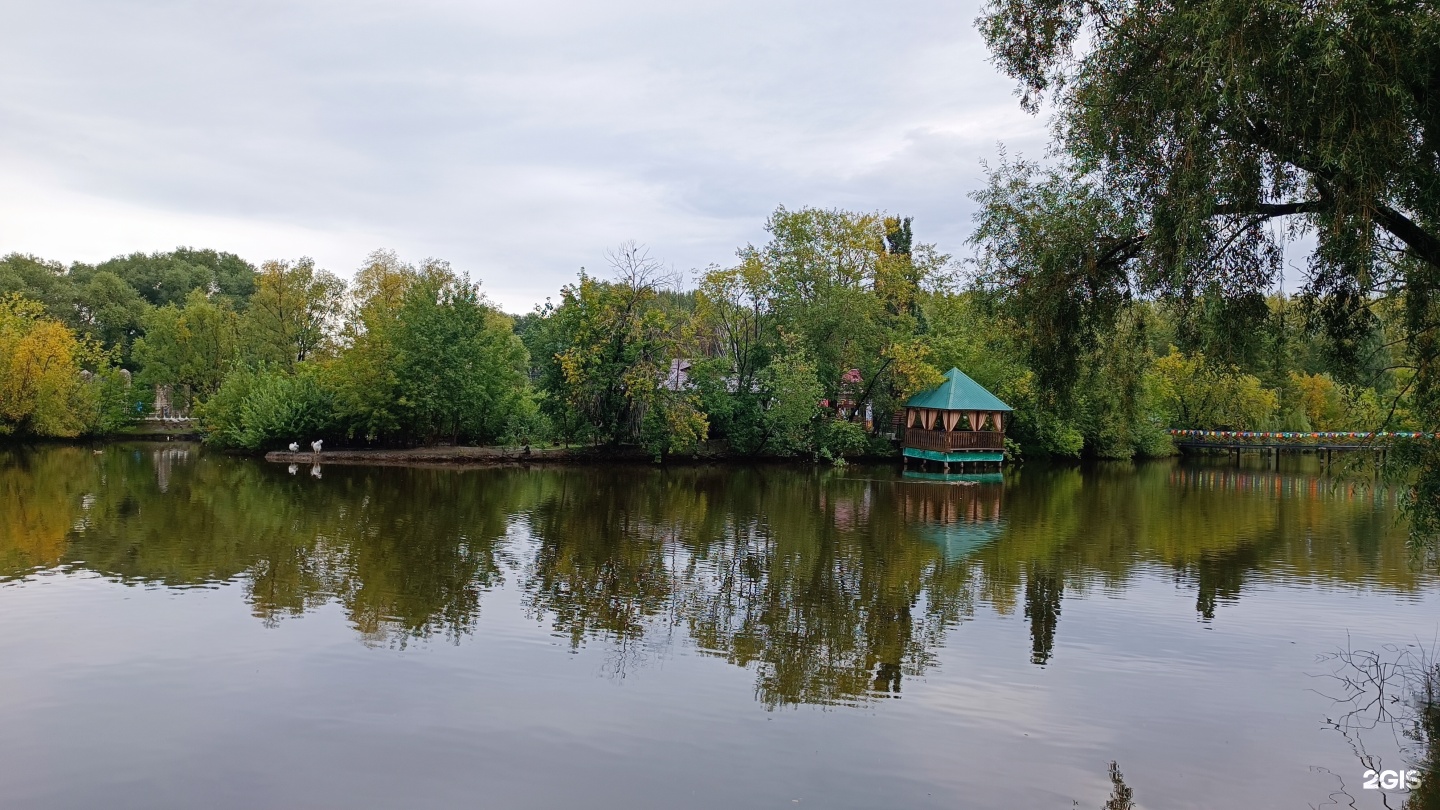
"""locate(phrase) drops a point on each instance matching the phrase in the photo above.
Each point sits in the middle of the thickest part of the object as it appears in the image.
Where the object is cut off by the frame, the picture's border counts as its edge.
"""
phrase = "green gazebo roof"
(958, 393)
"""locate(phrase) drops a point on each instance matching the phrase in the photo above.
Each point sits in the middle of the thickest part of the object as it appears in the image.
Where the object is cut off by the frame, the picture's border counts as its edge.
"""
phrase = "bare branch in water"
(1395, 688)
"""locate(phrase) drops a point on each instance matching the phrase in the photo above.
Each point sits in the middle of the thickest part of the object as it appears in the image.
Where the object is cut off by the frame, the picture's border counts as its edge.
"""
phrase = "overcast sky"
(517, 140)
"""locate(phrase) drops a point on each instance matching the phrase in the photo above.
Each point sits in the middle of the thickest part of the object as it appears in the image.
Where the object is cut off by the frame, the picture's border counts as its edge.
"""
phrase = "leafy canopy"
(1187, 128)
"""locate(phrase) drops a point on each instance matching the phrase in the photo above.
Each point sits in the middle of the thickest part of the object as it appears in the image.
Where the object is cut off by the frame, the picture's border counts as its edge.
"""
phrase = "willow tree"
(1195, 138)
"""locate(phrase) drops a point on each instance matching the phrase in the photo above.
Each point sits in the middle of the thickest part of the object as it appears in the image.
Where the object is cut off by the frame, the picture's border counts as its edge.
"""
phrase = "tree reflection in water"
(1121, 796)
(408, 555)
(832, 586)
(1389, 697)
(1043, 590)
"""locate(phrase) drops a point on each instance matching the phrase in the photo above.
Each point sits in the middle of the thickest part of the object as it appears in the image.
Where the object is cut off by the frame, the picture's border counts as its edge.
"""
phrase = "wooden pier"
(1272, 443)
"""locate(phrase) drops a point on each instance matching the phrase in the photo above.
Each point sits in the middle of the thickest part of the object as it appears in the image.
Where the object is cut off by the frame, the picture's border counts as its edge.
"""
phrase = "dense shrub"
(256, 410)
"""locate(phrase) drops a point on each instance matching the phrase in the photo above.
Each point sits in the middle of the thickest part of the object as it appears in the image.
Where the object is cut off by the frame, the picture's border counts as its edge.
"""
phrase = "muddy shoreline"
(450, 457)
(460, 457)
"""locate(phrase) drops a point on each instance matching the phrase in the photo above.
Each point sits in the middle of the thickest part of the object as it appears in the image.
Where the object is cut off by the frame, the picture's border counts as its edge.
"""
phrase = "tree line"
(807, 345)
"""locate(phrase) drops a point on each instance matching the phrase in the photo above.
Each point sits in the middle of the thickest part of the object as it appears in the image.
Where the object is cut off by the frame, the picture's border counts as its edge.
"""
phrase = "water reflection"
(1043, 589)
(408, 556)
(1387, 700)
(831, 586)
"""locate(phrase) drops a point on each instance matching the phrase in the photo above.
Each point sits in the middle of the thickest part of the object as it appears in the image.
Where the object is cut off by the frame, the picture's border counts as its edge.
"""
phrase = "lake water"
(183, 629)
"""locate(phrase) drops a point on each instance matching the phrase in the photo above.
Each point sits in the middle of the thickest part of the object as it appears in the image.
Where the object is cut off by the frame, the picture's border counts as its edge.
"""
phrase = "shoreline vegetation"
(448, 457)
(805, 348)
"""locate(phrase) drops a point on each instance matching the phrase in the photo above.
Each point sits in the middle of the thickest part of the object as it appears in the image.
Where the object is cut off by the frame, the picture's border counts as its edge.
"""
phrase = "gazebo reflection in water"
(960, 513)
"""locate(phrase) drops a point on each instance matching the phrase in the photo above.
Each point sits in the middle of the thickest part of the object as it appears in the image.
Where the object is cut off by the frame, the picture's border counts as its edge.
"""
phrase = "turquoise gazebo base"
(953, 478)
(954, 458)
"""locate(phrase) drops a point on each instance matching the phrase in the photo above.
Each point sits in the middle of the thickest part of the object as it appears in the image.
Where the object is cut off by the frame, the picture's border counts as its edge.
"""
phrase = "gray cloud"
(516, 140)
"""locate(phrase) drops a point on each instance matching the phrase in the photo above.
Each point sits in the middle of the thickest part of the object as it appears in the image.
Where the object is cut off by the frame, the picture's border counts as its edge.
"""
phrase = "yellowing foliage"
(41, 390)
(1321, 399)
(41, 497)
(912, 371)
(1203, 394)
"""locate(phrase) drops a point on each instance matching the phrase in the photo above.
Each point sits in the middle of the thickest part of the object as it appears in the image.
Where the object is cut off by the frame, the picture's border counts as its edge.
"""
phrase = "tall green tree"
(38, 280)
(196, 345)
(365, 374)
(294, 313)
(614, 344)
(110, 311)
(834, 282)
(168, 278)
(460, 368)
(737, 325)
(834, 292)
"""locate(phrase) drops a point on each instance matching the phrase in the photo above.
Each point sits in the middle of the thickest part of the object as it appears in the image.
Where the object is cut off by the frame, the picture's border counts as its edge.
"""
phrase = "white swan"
(294, 447)
(315, 445)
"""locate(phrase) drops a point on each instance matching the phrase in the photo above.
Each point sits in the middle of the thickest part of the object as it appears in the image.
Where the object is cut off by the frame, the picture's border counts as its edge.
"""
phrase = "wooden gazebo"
(957, 423)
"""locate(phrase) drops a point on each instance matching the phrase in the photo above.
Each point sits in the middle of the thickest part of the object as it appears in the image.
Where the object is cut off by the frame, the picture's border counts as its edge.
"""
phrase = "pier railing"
(1298, 439)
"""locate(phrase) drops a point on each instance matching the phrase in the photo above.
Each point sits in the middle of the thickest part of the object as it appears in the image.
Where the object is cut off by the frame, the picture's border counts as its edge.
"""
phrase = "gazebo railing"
(945, 441)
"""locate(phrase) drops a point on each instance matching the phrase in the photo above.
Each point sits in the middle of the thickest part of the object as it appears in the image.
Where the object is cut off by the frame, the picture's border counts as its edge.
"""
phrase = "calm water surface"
(183, 629)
